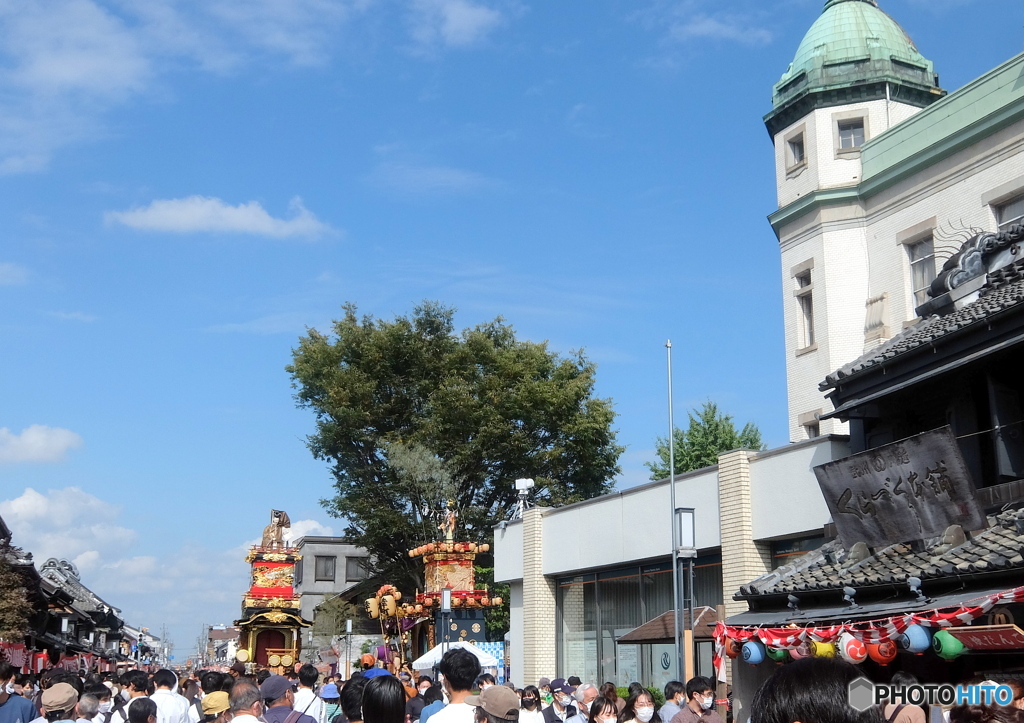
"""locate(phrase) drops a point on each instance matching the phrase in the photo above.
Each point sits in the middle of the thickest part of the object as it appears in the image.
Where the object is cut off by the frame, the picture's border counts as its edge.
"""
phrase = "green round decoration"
(946, 646)
(779, 655)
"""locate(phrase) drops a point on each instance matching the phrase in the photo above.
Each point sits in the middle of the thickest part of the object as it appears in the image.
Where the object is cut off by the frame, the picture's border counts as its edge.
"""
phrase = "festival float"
(448, 565)
(271, 621)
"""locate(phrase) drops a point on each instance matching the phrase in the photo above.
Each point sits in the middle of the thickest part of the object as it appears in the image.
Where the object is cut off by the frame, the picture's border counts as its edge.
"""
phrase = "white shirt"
(308, 702)
(531, 716)
(170, 707)
(455, 713)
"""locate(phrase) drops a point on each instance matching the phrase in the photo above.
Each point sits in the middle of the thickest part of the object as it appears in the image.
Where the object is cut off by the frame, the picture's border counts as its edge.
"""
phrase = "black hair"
(164, 678)
(98, 690)
(384, 700)
(72, 679)
(599, 706)
(533, 692)
(261, 676)
(484, 678)
(424, 679)
(460, 668)
(433, 694)
(141, 710)
(352, 697)
(137, 679)
(6, 670)
(227, 682)
(243, 696)
(308, 675)
(697, 684)
(984, 714)
(629, 710)
(673, 688)
(93, 679)
(635, 689)
(810, 690)
(902, 678)
(210, 681)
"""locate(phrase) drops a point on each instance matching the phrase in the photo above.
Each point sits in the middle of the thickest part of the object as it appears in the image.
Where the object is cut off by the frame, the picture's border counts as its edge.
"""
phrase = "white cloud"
(301, 528)
(68, 63)
(13, 274)
(180, 586)
(37, 443)
(452, 23)
(416, 179)
(198, 214)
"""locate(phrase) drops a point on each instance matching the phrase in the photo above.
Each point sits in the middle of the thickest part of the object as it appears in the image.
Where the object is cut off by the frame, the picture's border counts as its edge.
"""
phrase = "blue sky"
(187, 185)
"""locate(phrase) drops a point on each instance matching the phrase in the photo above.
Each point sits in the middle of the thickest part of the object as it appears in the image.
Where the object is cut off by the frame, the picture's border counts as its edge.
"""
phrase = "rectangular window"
(784, 551)
(355, 568)
(851, 133)
(298, 573)
(805, 304)
(325, 568)
(1010, 213)
(922, 268)
(795, 151)
(813, 430)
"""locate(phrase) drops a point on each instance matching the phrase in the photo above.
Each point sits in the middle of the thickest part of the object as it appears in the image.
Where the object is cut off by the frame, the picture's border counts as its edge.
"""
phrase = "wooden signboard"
(900, 492)
(989, 637)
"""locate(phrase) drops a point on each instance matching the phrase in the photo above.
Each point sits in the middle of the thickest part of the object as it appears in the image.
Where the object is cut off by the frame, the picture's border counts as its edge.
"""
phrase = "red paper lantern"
(733, 647)
(882, 653)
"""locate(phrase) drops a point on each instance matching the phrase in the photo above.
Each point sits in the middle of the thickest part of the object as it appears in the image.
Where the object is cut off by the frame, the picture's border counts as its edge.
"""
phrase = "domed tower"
(855, 74)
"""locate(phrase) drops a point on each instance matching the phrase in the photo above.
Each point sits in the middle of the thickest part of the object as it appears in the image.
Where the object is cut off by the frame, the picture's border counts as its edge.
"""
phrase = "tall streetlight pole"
(677, 597)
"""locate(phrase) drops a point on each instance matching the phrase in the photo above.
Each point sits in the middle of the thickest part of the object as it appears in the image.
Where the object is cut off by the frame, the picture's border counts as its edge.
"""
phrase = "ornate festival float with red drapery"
(448, 565)
(271, 621)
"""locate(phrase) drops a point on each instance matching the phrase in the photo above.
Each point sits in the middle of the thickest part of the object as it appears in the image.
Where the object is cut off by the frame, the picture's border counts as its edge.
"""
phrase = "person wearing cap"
(59, 701)
(279, 698)
(561, 708)
(496, 704)
(216, 705)
(13, 707)
(460, 669)
(544, 686)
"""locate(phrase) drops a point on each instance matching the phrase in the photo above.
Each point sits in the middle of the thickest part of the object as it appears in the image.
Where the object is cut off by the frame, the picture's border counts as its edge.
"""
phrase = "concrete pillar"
(539, 631)
(743, 560)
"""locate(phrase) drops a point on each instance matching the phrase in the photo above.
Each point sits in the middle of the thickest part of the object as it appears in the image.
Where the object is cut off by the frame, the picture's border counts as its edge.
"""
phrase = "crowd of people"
(811, 690)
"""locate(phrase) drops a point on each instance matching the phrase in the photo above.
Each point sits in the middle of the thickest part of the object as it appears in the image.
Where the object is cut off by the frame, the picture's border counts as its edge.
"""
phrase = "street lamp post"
(446, 612)
(686, 553)
(677, 597)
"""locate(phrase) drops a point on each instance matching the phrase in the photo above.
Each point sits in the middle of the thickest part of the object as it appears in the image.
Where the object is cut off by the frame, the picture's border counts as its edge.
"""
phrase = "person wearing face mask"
(414, 707)
(585, 695)
(561, 708)
(13, 707)
(603, 710)
(700, 703)
(639, 708)
(484, 681)
(530, 711)
(544, 686)
(106, 704)
(675, 699)
(246, 702)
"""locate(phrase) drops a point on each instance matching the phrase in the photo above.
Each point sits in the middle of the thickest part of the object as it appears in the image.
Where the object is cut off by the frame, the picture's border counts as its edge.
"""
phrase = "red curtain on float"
(268, 639)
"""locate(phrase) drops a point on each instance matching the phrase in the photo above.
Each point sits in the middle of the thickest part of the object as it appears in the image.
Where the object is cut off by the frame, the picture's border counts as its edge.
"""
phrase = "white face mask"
(125, 694)
(9, 688)
(611, 719)
(106, 706)
(564, 701)
(644, 714)
(706, 703)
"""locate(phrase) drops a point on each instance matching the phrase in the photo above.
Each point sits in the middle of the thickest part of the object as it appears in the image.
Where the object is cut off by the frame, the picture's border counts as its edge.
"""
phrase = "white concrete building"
(878, 176)
(583, 575)
(330, 567)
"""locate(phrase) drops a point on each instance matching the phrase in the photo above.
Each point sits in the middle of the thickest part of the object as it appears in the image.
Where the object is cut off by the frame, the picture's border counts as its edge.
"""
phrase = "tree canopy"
(15, 607)
(709, 433)
(412, 417)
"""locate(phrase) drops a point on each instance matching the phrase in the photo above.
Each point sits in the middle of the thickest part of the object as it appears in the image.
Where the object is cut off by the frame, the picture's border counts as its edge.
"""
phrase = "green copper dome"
(854, 44)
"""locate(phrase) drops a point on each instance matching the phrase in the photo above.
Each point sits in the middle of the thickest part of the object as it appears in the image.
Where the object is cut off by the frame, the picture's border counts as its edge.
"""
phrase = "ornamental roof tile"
(998, 547)
(1003, 290)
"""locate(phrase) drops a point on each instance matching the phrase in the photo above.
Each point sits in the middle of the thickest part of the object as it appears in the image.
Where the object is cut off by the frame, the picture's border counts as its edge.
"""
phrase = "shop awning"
(662, 629)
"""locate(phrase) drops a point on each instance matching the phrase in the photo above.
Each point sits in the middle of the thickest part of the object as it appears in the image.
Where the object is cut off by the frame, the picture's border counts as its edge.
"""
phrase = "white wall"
(778, 477)
(516, 628)
(508, 552)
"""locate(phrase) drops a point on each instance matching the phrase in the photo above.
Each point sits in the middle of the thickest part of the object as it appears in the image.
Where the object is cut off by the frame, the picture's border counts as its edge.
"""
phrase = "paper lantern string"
(878, 630)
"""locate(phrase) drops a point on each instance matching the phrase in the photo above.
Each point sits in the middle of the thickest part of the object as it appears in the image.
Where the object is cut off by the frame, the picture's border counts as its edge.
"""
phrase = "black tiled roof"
(997, 548)
(1004, 289)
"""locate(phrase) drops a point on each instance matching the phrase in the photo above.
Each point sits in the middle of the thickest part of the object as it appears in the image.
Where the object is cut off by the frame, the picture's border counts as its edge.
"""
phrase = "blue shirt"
(18, 710)
(428, 710)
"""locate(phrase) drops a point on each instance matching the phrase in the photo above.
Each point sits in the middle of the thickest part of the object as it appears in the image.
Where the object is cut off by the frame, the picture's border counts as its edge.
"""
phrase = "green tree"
(412, 416)
(15, 607)
(709, 433)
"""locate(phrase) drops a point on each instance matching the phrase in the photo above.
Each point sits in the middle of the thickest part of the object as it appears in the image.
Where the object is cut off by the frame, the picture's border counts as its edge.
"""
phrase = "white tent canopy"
(432, 657)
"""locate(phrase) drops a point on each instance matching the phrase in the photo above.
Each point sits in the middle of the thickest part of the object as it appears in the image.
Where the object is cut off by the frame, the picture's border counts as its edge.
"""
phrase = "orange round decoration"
(882, 653)
(733, 647)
